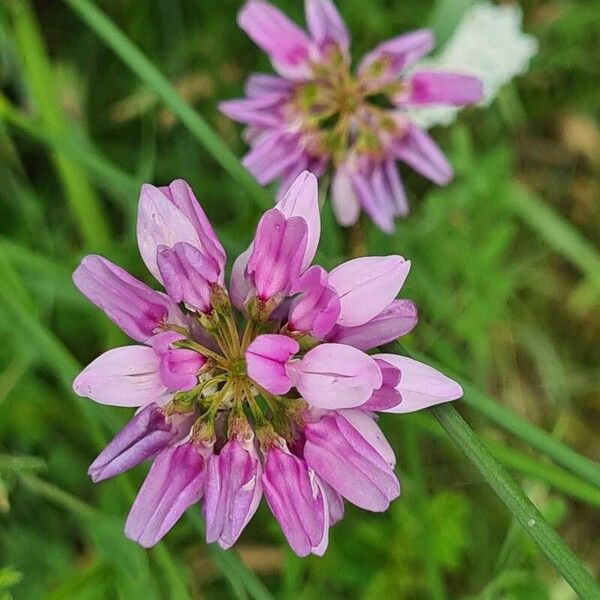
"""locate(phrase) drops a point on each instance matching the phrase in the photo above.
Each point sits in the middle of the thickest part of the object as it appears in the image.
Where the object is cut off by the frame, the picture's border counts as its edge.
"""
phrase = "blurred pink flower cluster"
(318, 114)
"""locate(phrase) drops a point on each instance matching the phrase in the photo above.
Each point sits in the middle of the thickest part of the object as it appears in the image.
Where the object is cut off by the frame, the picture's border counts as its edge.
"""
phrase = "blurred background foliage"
(507, 292)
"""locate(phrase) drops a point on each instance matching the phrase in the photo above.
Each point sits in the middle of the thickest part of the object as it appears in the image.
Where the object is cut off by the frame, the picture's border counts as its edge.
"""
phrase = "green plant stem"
(131, 55)
(39, 75)
(533, 436)
(547, 540)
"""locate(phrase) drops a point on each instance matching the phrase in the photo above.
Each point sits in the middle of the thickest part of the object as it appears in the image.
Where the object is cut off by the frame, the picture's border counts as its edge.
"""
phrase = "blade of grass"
(82, 199)
(559, 234)
(120, 185)
(529, 517)
(529, 433)
(136, 60)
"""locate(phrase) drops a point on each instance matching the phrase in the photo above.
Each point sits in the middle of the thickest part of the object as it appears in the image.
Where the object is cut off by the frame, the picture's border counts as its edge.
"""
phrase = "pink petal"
(365, 424)
(285, 43)
(161, 223)
(175, 482)
(265, 360)
(335, 376)
(262, 112)
(420, 386)
(125, 376)
(418, 150)
(241, 288)
(316, 307)
(302, 200)
(325, 24)
(260, 84)
(433, 87)
(397, 54)
(277, 253)
(344, 200)
(271, 155)
(136, 308)
(367, 285)
(394, 321)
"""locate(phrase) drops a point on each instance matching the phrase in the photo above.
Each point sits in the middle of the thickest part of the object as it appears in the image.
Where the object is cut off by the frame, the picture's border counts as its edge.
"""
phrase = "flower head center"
(225, 394)
(341, 114)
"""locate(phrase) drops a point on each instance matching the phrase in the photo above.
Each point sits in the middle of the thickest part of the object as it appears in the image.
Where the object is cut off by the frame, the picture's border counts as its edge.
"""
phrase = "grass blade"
(82, 199)
(556, 232)
(131, 55)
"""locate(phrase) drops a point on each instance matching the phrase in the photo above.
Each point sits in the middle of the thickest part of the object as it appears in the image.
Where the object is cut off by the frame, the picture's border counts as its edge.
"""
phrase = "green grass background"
(506, 274)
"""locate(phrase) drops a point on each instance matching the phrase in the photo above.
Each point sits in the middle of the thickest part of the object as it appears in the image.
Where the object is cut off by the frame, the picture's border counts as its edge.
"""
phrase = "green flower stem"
(515, 460)
(84, 203)
(131, 55)
(530, 518)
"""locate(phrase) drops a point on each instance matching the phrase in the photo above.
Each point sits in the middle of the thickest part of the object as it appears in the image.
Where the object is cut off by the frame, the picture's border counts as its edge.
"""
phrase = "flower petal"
(335, 376)
(417, 149)
(420, 386)
(390, 58)
(344, 200)
(125, 376)
(265, 360)
(325, 24)
(172, 214)
(175, 482)
(302, 200)
(277, 253)
(367, 285)
(436, 87)
(136, 308)
(394, 321)
(287, 45)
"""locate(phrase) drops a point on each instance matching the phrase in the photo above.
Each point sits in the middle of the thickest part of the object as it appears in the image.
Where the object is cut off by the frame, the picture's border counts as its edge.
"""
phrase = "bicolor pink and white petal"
(303, 119)
(259, 387)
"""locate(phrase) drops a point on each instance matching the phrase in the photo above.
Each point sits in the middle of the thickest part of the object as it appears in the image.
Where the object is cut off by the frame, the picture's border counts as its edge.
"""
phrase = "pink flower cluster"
(265, 389)
(316, 114)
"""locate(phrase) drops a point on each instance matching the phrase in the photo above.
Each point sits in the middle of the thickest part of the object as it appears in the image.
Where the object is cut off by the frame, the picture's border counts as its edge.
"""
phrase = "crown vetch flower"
(317, 114)
(264, 389)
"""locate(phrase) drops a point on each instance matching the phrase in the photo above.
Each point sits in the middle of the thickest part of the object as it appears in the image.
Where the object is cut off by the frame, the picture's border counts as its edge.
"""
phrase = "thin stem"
(530, 518)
